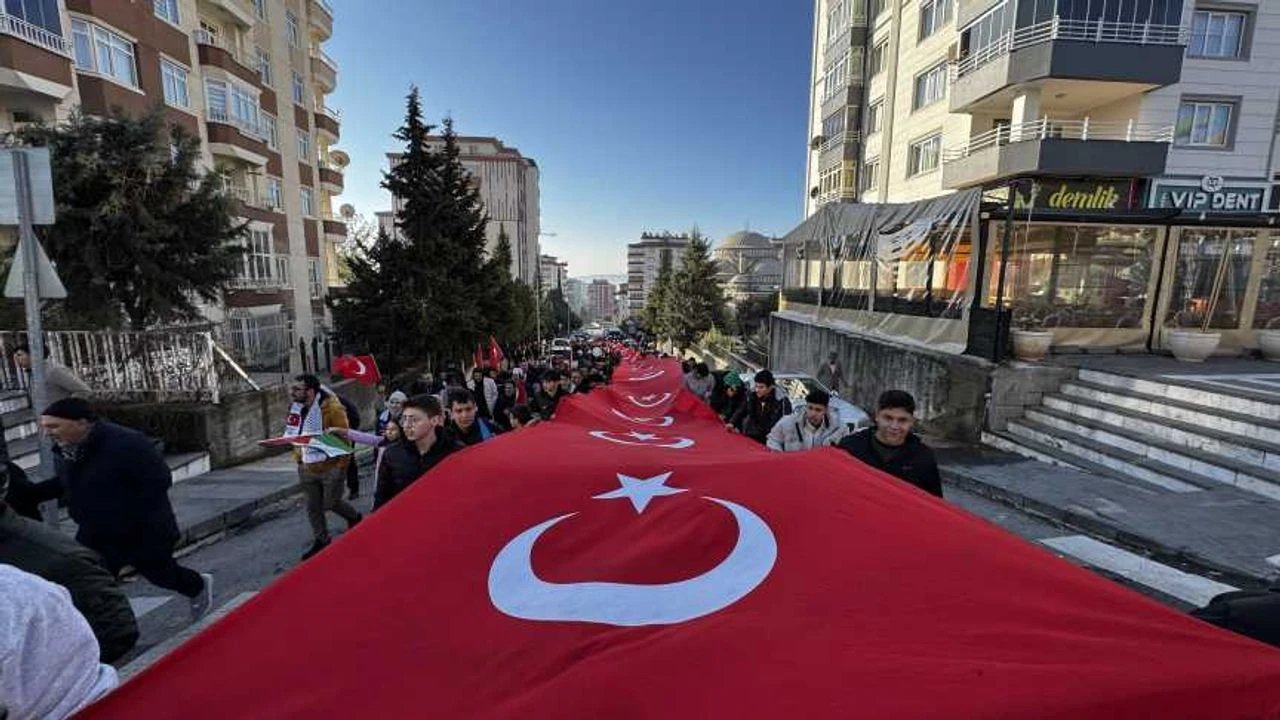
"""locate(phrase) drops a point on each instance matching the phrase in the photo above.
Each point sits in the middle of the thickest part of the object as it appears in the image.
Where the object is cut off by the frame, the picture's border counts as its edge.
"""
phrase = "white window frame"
(1221, 53)
(929, 87)
(875, 116)
(307, 197)
(1208, 110)
(99, 39)
(171, 74)
(304, 145)
(934, 15)
(315, 278)
(274, 195)
(924, 155)
(869, 179)
(876, 60)
(259, 257)
(293, 30)
(238, 105)
(264, 66)
(168, 10)
(298, 88)
(260, 9)
(268, 127)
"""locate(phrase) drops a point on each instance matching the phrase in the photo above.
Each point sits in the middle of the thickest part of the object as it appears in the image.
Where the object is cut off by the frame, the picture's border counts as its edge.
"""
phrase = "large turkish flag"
(633, 559)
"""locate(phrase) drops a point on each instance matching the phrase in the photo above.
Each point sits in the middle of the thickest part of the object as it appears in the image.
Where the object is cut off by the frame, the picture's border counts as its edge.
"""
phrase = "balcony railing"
(844, 138)
(252, 128)
(204, 37)
(1096, 31)
(1048, 129)
(34, 34)
(326, 110)
(323, 57)
(259, 283)
(325, 4)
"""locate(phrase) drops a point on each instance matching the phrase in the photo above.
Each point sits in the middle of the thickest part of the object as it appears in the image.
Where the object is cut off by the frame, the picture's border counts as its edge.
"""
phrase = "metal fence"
(163, 366)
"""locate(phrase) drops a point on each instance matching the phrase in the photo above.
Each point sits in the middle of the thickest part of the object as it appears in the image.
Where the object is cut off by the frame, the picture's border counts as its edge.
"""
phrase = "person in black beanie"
(116, 485)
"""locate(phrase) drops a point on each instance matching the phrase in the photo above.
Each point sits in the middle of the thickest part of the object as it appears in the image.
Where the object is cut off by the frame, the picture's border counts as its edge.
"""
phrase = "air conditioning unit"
(953, 52)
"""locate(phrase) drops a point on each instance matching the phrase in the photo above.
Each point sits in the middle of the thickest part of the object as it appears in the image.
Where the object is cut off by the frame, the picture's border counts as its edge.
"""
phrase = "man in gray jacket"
(814, 425)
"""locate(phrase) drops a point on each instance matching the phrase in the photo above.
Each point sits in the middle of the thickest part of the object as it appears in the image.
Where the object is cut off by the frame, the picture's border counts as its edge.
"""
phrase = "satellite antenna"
(347, 211)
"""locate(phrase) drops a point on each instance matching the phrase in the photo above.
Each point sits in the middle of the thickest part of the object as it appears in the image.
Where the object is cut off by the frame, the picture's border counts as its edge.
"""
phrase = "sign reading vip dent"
(1075, 195)
(1211, 193)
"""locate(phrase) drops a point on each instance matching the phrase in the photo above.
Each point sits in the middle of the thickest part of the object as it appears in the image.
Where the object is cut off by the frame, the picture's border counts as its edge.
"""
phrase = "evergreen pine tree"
(695, 302)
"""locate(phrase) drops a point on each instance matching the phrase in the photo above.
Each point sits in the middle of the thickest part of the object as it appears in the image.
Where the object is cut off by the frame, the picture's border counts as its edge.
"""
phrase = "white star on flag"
(643, 436)
(640, 490)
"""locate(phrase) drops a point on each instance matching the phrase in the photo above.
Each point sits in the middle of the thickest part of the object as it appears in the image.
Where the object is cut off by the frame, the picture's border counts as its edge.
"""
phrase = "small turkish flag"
(361, 368)
(632, 559)
(496, 356)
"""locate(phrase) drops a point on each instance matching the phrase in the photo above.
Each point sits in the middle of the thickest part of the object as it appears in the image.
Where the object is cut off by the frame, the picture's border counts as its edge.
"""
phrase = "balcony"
(15, 26)
(231, 136)
(323, 70)
(320, 16)
(1133, 58)
(335, 228)
(238, 11)
(213, 50)
(1063, 148)
(327, 121)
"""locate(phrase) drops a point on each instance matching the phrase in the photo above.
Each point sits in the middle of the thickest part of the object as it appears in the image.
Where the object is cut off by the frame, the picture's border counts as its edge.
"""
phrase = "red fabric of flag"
(361, 368)
(632, 559)
(496, 356)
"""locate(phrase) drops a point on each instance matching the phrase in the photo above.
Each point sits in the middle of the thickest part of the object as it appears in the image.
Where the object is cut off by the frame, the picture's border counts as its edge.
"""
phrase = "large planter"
(1032, 345)
(1269, 344)
(1192, 345)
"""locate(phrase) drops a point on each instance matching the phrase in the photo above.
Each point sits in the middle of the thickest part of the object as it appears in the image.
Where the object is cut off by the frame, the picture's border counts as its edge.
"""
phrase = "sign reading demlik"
(1074, 195)
(1211, 193)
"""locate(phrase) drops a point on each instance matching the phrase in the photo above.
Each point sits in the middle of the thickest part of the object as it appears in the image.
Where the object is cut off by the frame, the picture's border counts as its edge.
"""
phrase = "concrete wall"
(229, 431)
(1018, 386)
(951, 391)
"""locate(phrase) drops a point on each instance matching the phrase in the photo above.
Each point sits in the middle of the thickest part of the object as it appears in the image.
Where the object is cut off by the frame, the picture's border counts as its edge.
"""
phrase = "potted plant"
(1031, 339)
(1190, 339)
(1269, 340)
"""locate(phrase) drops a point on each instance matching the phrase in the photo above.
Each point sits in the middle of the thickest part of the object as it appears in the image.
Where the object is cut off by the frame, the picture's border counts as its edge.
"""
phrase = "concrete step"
(1208, 397)
(25, 452)
(19, 424)
(183, 466)
(1198, 437)
(1202, 470)
(1226, 421)
(13, 400)
(1127, 464)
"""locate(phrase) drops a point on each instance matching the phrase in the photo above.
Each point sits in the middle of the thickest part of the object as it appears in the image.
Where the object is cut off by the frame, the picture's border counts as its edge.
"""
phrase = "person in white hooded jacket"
(812, 426)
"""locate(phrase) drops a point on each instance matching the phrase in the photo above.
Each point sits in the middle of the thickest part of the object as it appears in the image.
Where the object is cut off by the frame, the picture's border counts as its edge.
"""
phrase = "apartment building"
(553, 274)
(601, 300)
(508, 184)
(250, 79)
(1134, 141)
(646, 258)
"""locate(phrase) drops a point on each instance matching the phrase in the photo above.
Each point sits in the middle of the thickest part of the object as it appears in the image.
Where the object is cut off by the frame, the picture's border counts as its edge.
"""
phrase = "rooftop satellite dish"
(347, 210)
(339, 158)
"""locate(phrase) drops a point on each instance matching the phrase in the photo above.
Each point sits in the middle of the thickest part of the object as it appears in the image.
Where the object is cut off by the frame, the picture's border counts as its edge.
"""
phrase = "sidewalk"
(1224, 532)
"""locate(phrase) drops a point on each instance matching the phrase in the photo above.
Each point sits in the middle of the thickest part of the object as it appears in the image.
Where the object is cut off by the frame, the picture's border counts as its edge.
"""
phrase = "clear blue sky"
(652, 115)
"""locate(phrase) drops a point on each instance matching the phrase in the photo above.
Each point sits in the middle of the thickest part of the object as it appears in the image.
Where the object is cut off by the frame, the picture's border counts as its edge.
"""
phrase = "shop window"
(1267, 316)
(1088, 276)
(1211, 277)
(929, 277)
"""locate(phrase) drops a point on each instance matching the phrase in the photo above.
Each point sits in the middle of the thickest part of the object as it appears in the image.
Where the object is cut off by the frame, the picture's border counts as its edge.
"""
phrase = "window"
(41, 13)
(259, 261)
(267, 126)
(295, 35)
(878, 6)
(1217, 34)
(1204, 124)
(308, 202)
(931, 86)
(876, 65)
(101, 51)
(875, 115)
(275, 193)
(167, 10)
(260, 9)
(304, 145)
(234, 104)
(836, 77)
(315, 278)
(299, 89)
(988, 31)
(870, 174)
(209, 33)
(264, 66)
(838, 18)
(923, 155)
(934, 15)
(174, 78)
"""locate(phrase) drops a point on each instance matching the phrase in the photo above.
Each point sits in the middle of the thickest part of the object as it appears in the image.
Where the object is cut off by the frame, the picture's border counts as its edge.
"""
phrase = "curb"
(233, 517)
(1108, 532)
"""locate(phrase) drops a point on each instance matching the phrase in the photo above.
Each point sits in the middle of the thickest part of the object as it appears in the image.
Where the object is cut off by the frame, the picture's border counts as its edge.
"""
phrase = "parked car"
(797, 386)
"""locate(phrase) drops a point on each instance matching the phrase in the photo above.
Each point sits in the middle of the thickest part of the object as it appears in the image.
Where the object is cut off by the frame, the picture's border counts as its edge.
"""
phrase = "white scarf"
(312, 423)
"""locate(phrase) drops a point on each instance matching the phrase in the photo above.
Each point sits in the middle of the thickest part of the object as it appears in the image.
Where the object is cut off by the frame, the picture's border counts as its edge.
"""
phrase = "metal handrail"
(323, 57)
(1096, 31)
(326, 110)
(1053, 129)
(325, 4)
(34, 34)
(849, 136)
(250, 128)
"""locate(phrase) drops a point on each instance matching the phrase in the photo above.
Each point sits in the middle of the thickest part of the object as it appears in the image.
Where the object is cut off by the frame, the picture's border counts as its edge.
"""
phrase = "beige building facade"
(250, 78)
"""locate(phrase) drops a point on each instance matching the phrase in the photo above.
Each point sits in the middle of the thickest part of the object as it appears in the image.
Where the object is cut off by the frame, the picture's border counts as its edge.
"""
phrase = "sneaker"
(201, 604)
(353, 523)
(316, 547)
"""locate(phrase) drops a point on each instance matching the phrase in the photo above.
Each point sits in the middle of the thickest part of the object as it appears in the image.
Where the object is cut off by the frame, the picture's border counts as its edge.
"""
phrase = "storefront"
(1102, 263)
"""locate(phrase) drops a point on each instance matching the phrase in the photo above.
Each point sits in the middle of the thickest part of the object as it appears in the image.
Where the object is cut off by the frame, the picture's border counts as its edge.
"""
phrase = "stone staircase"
(21, 434)
(1179, 437)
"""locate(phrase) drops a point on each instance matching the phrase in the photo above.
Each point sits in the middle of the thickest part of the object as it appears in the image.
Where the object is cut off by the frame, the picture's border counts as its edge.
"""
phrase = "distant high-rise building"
(508, 184)
(575, 293)
(250, 80)
(600, 300)
(645, 258)
(553, 273)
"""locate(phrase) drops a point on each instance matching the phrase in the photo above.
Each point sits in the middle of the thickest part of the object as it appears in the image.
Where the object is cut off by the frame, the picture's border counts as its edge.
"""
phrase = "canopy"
(634, 559)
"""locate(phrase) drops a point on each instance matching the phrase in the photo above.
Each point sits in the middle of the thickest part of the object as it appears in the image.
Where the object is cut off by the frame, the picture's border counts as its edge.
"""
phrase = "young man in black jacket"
(424, 445)
(893, 446)
(762, 410)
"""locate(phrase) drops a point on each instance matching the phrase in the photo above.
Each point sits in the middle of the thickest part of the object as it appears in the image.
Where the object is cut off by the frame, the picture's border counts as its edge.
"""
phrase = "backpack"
(1252, 613)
